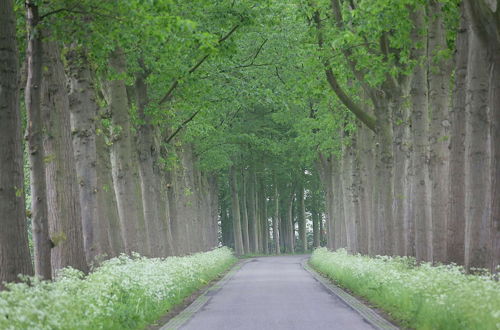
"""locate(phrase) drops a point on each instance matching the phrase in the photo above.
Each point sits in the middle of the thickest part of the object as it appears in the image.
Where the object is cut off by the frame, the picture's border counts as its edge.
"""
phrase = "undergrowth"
(123, 293)
(421, 297)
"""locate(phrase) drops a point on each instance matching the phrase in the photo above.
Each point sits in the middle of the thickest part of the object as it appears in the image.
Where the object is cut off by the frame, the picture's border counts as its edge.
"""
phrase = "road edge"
(184, 316)
(366, 312)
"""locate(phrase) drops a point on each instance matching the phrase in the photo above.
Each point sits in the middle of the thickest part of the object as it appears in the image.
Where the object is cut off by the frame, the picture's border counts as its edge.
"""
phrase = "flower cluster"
(420, 296)
(123, 293)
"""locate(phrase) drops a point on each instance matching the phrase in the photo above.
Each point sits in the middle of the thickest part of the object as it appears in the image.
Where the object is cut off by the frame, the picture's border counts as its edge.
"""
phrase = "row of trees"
(394, 104)
(107, 171)
(419, 176)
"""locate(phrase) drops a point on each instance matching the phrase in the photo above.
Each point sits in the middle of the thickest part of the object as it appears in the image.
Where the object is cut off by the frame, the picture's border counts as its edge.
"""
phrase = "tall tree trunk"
(495, 108)
(252, 213)
(477, 168)
(365, 154)
(316, 230)
(39, 212)
(276, 217)
(225, 223)
(337, 211)
(64, 212)
(481, 227)
(263, 217)
(301, 218)
(418, 242)
(14, 253)
(384, 174)
(401, 159)
(244, 212)
(213, 183)
(494, 105)
(84, 111)
(485, 27)
(107, 208)
(289, 247)
(123, 160)
(349, 176)
(327, 178)
(152, 201)
(439, 71)
(238, 239)
(456, 220)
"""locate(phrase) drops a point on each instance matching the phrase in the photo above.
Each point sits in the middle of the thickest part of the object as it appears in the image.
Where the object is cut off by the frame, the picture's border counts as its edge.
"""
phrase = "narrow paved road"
(275, 293)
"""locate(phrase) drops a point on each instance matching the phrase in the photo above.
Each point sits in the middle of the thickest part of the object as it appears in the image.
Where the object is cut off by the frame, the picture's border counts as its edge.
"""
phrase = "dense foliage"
(421, 297)
(123, 293)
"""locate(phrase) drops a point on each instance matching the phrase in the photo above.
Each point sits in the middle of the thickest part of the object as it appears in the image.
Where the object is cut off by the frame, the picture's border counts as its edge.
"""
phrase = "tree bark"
(14, 253)
(315, 213)
(123, 160)
(301, 218)
(244, 212)
(252, 213)
(439, 71)
(107, 207)
(263, 217)
(153, 201)
(64, 212)
(401, 159)
(276, 217)
(238, 239)
(290, 236)
(495, 108)
(39, 212)
(366, 163)
(456, 220)
(418, 242)
(481, 226)
(477, 168)
(326, 176)
(338, 211)
(84, 111)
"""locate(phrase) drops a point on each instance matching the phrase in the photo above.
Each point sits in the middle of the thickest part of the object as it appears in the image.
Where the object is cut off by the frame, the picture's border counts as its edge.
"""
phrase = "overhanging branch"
(175, 83)
(184, 123)
(363, 116)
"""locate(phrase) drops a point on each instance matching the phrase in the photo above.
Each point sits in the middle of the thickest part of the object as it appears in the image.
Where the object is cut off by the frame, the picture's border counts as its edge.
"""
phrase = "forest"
(167, 128)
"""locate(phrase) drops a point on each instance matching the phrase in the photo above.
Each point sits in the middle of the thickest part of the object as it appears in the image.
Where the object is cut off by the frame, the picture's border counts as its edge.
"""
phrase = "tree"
(14, 254)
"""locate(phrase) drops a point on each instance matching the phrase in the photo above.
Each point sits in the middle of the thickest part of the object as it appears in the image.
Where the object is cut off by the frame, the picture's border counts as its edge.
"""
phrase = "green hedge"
(421, 297)
(123, 293)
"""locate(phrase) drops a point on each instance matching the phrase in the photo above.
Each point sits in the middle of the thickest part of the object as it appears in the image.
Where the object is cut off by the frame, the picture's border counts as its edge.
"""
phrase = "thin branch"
(256, 53)
(231, 119)
(93, 10)
(60, 10)
(279, 77)
(175, 83)
(221, 40)
(184, 123)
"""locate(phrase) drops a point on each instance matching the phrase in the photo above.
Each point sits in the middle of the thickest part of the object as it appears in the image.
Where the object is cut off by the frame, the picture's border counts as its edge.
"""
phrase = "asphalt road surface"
(275, 293)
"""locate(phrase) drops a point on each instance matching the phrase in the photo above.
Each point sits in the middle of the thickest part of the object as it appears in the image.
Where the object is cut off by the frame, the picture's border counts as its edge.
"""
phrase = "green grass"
(123, 293)
(421, 297)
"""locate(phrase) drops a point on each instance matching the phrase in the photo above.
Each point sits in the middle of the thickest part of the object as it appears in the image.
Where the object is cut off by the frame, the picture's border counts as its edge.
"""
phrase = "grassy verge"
(421, 297)
(123, 293)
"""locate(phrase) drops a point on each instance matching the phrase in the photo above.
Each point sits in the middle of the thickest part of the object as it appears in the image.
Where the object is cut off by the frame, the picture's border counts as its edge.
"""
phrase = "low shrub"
(421, 297)
(123, 293)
